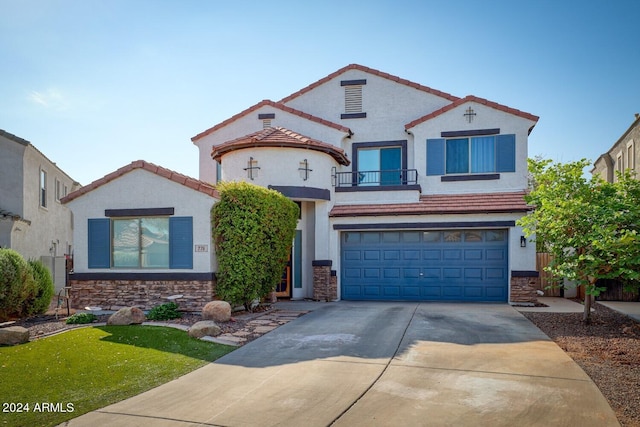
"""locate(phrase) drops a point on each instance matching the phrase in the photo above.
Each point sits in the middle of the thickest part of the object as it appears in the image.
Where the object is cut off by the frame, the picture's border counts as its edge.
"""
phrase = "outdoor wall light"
(304, 170)
(523, 242)
(252, 168)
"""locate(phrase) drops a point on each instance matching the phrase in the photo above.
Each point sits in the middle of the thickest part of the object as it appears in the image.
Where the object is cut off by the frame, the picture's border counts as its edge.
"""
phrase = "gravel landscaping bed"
(608, 350)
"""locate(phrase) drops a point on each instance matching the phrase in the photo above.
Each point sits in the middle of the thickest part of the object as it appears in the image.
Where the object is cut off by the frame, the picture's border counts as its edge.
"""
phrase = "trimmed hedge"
(253, 230)
(17, 284)
(44, 289)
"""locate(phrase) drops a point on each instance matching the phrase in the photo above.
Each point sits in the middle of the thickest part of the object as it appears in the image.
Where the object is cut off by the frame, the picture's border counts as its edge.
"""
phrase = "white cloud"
(51, 98)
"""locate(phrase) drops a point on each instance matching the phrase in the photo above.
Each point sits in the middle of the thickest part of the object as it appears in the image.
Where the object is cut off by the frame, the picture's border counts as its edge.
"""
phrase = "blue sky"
(97, 84)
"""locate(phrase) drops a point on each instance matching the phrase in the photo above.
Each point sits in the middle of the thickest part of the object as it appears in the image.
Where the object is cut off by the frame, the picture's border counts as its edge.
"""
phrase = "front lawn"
(64, 376)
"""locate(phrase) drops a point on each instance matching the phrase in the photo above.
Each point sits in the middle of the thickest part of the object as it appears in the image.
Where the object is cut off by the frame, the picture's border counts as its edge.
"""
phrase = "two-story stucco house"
(406, 192)
(32, 220)
(622, 155)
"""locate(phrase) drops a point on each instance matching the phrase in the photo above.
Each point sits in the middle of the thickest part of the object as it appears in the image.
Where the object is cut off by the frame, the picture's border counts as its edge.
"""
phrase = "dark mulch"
(608, 350)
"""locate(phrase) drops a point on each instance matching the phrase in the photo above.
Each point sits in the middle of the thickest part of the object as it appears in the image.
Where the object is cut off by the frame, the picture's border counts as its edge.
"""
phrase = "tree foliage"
(590, 226)
(253, 230)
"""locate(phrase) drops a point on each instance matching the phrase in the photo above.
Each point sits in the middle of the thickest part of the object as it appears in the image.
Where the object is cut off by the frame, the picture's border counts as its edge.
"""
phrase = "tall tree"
(590, 226)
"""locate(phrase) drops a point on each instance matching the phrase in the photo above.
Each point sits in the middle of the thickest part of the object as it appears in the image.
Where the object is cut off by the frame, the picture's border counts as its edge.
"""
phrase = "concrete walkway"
(369, 364)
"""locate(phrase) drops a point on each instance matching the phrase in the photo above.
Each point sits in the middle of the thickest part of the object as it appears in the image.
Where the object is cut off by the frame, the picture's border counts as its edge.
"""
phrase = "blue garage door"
(442, 265)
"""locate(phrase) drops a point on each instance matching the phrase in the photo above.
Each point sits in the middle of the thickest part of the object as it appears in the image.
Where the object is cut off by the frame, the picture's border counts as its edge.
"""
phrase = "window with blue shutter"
(181, 242)
(99, 243)
(475, 155)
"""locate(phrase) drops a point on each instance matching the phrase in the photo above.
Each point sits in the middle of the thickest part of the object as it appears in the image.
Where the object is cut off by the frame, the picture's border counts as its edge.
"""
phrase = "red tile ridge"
(370, 71)
(279, 137)
(277, 105)
(179, 178)
(471, 98)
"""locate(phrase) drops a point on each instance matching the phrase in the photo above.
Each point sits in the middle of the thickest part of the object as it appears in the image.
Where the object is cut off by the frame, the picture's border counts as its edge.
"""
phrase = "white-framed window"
(631, 156)
(140, 242)
(59, 190)
(43, 188)
(620, 163)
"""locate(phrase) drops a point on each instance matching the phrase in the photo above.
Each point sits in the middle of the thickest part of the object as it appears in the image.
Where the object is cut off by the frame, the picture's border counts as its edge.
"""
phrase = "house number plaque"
(202, 248)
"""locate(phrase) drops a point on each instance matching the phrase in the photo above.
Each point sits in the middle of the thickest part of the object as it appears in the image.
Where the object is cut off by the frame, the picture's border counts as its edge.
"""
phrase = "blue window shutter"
(506, 153)
(181, 242)
(99, 243)
(390, 160)
(435, 156)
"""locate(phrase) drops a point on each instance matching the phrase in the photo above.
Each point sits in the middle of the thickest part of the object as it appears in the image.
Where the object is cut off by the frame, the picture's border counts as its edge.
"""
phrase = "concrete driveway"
(387, 364)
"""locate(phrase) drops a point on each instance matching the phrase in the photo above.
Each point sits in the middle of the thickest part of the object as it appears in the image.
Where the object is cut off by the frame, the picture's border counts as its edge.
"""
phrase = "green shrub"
(166, 311)
(44, 289)
(81, 318)
(17, 284)
(253, 229)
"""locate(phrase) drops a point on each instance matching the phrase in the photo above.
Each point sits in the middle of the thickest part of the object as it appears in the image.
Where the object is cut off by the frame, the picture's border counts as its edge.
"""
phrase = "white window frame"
(42, 188)
(631, 155)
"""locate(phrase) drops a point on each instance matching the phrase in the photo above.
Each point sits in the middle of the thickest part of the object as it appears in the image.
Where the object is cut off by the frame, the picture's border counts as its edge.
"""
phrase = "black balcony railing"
(376, 178)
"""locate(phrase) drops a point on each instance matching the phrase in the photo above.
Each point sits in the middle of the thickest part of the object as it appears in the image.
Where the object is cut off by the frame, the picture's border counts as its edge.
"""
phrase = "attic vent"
(266, 119)
(353, 99)
(266, 123)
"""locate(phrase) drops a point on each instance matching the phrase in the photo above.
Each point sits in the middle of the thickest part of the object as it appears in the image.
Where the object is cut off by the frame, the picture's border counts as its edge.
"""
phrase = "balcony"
(384, 180)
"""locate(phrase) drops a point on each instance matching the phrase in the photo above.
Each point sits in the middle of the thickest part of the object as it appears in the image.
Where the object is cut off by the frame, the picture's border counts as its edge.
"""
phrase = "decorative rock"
(204, 328)
(220, 311)
(14, 335)
(127, 316)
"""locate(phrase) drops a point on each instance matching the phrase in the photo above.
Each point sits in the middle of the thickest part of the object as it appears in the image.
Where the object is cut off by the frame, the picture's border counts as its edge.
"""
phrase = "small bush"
(44, 289)
(81, 318)
(17, 284)
(166, 311)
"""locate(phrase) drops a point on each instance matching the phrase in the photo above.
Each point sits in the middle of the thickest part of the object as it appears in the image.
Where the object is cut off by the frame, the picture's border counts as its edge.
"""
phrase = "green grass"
(93, 367)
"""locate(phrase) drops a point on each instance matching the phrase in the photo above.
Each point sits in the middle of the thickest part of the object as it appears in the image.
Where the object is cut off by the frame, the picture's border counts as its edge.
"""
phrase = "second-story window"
(43, 188)
(471, 155)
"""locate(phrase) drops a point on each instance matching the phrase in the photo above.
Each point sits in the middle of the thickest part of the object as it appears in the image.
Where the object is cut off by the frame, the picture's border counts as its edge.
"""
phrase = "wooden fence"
(542, 260)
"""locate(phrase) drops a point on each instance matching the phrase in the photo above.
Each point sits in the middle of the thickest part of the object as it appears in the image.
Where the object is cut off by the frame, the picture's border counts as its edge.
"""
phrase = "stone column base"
(325, 281)
(523, 287)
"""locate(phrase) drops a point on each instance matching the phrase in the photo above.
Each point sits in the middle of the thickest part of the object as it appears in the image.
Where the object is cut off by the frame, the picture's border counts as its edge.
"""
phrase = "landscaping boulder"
(220, 311)
(127, 316)
(14, 335)
(204, 328)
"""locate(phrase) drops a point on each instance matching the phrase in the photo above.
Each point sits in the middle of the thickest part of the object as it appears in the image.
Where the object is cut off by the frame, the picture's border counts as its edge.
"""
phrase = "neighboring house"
(32, 220)
(143, 234)
(624, 154)
(406, 192)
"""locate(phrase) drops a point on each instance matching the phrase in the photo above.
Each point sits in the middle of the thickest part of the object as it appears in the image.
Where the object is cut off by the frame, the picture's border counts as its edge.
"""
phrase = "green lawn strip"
(94, 367)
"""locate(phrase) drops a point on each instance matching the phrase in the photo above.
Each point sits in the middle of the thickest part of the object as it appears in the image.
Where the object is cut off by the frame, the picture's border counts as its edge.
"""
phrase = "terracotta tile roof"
(277, 105)
(187, 181)
(441, 204)
(370, 71)
(471, 98)
(279, 137)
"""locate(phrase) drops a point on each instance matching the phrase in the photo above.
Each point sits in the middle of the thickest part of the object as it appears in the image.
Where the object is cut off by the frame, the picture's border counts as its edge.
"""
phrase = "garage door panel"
(352, 255)
(371, 255)
(371, 273)
(451, 265)
(432, 255)
(411, 273)
(452, 273)
(391, 273)
(391, 255)
(473, 273)
(473, 254)
(452, 255)
(473, 291)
